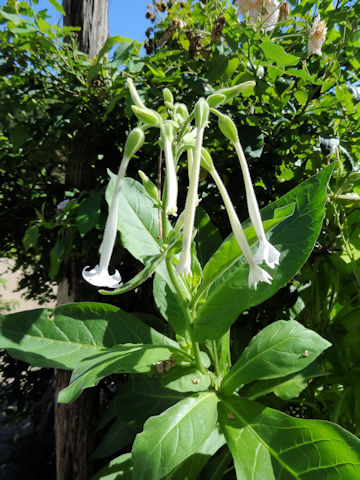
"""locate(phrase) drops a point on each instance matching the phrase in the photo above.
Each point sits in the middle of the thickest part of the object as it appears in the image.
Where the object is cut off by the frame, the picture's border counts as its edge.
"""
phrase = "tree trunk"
(92, 17)
(75, 423)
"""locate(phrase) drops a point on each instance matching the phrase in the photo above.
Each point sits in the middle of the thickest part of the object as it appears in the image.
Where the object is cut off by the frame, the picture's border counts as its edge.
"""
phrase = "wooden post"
(75, 423)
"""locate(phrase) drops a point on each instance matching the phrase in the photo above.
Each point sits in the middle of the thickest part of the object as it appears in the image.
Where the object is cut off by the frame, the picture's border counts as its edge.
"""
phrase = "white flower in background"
(266, 252)
(61, 206)
(256, 274)
(266, 11)
(334, 148)
(99, 275)
(317, 35)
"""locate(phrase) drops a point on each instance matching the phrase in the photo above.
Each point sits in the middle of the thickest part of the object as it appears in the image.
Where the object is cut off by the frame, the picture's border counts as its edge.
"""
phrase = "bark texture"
(92, 17)
(75, 423)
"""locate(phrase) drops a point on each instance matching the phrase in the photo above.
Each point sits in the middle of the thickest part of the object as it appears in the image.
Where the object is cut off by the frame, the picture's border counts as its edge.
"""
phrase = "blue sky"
(126, 17)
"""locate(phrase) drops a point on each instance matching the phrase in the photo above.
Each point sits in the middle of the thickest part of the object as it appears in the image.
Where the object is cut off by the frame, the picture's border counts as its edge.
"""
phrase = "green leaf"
(138, 221)
(282, 348)
(185, 379)
(11, 17)
(285, 388)
(126, 358)
(31, 236)
(270, 445)
(58, 7)
(63, 336)
(87, 215)
(252, 140)
(275, 53)
(216, 67)
(208, 237)
(119, 468)
(175, 435)
(136, 401)
(122, 53)
(192, 466)
(226, 283)
(168, 302)
(217, 466)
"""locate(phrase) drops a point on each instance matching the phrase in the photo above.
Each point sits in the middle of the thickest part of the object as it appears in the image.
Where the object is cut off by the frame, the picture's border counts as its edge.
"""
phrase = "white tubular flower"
(317, 35)
(171, 180)
(99, 275)
(256, 274)
(257, 10)
(184, 265)
(266, 252)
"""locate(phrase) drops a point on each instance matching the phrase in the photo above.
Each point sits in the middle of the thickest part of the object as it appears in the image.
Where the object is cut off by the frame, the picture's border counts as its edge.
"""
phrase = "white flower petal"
(267, 253)
(257, 274)
(100, 277)
(184, 265)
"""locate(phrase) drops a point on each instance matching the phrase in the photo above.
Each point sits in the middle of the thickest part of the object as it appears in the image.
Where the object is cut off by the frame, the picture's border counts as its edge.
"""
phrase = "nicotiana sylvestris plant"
(185, 401)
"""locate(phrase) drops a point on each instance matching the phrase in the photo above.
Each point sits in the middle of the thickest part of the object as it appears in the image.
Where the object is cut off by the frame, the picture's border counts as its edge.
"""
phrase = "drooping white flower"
(256, 273)
(317, 35)
(266, 252)
(99, 275)
(266, 11)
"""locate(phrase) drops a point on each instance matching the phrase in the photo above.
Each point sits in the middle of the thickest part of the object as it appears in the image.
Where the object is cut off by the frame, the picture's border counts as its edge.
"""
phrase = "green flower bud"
(206, 160)
(181, 112)
(134, 94)
(228, 128)
(167, 131)
(168, 98)
(234, 91)
(201, 113)
(216, 99)
(149, 186)
(134, 142)
(147, 116)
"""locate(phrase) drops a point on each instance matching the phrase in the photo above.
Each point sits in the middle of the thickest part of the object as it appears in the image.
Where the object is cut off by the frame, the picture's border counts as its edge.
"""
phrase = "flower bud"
(206, 160)
(134, 94)
(167, 131)
(201, 113)
(147, 116)
(149, 186)
(180, 112)
(216, 99)
(134, 142)
(228, 128)
(168, 98)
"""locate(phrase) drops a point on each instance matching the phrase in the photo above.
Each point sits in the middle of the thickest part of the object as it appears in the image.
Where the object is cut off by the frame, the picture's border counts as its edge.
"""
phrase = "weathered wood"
(92, 17)
(75, 423)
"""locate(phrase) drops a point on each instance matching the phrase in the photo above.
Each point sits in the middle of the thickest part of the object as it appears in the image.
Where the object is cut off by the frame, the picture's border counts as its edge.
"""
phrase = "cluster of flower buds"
(182, 132)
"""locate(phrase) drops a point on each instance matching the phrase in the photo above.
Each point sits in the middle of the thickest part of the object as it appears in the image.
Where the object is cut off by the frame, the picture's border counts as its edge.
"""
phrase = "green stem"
(181, 292)
(216, 358)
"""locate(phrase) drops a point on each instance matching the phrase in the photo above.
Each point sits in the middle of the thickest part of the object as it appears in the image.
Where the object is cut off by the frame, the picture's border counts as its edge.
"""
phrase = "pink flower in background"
(266, 11)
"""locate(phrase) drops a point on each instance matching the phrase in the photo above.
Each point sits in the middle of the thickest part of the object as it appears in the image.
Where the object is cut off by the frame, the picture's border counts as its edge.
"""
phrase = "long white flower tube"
(266, 252)
(171, 180)
(201, 119)
(99, 275)
(256, 274)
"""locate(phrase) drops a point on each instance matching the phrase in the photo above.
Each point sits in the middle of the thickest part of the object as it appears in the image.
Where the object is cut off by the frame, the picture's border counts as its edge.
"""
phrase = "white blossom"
(266, 252)
(317, 35)
(266, 11)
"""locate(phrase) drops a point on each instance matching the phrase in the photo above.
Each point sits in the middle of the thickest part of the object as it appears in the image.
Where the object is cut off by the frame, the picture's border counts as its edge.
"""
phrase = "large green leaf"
(175, 435)
(119, 468)
(270, 445)
(63, 336)
(126, 358)
(282, 348)
(193, 465)
(228, 294)
(135, 402)
(138, 220)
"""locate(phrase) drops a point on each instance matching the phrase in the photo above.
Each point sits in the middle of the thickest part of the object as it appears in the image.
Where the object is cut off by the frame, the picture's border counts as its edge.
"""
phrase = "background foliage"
(56, 104)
